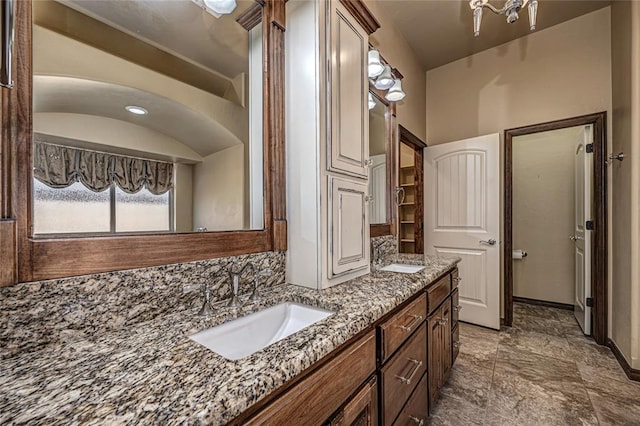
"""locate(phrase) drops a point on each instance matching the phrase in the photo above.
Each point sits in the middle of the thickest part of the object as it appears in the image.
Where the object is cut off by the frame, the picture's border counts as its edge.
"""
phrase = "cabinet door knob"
(369, 162)
(443, 321)
(457, 279)
(457, 308)
(369, 197)
(457, 344)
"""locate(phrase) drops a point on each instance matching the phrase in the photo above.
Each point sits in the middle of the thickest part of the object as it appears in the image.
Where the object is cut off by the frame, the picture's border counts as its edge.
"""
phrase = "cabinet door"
(348, 226)
(361, 410)
(434, 355)
(445, 342)
(349, 113)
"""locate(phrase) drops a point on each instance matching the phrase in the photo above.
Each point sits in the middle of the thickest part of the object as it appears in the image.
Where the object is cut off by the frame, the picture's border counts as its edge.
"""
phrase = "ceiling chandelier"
(510, 10)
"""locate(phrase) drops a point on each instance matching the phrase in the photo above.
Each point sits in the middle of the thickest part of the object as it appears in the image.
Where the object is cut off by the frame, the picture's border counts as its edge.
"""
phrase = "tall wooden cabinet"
(327, 130)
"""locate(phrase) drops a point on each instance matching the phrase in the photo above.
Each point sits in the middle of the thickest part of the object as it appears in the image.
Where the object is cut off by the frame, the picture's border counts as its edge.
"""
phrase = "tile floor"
(542, 371)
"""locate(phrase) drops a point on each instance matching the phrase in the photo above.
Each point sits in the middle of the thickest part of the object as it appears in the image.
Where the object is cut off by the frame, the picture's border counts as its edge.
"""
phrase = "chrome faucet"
(234, 277)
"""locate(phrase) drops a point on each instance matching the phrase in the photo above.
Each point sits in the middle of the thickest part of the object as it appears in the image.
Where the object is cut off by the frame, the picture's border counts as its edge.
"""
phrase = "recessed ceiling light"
(138, 110)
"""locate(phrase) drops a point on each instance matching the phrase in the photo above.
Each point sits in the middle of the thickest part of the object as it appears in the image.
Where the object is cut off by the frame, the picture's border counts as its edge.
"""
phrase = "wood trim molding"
(274, 123)
(387, 228)
(599, 264)
(251, 17)
(632, 373)
(363, 15)
(411, 140)
(54, 258)
(407, 136)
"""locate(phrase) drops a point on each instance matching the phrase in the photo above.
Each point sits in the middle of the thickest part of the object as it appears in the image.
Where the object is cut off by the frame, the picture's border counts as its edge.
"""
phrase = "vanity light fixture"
(510, 10)
(375, 66)
(372, 103)
(217, 7)
(395, 93)
(137, 110)
(385, 80)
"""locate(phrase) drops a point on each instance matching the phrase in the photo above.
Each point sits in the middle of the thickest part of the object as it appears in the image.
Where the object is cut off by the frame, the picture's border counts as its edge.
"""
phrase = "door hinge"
(589, 148)
(590, 302)
(590, 226)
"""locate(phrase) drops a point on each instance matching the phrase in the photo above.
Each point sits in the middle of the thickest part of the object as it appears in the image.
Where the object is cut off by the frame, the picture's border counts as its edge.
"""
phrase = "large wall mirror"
(381, 153)
(143, 133)
(147, 117)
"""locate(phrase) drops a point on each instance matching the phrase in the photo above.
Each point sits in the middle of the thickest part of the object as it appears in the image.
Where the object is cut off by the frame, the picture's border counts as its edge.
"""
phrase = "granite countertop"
(153, 373)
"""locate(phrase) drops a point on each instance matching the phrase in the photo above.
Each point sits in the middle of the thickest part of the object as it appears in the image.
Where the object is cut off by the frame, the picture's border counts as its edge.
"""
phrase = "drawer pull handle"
(415, 321)
(457, 279)
(457, 344)
(419, 422)
(443, 321)
(407, 380)
(457, 308)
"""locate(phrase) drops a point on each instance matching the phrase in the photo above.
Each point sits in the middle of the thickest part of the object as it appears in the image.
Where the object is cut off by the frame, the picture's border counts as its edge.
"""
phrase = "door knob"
(491, 242)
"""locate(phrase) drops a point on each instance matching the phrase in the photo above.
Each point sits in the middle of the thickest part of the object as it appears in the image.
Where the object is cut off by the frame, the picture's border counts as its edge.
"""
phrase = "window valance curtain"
(61, 166)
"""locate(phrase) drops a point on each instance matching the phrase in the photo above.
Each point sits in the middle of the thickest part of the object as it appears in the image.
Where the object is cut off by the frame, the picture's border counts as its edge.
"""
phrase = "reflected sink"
(403, 268)
(244, 336)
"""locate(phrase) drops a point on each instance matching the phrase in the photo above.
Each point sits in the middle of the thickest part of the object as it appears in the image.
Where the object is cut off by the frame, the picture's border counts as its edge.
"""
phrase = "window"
(77, 209)
(89, 192)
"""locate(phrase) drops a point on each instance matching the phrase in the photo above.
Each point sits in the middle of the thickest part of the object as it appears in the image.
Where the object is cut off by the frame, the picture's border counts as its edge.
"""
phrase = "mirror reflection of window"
(163, 81)
(378, 155)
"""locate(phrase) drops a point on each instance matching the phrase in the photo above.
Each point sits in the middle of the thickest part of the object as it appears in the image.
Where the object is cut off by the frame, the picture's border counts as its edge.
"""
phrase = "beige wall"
(559, 72)
(395, 49)
(543, 212)
(183, 197)
(625, 298)
(218, 191)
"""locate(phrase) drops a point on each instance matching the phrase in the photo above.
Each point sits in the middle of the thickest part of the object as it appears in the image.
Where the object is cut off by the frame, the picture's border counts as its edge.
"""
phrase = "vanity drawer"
(398, 328)
(319, 395)
(455, 307)
(417, 408)
(455, 344)
(437, 293)
(401, 375)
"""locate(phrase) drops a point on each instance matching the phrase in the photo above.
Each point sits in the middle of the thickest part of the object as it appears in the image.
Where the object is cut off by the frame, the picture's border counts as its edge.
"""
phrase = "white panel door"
(378, 189)
(462, 218)
(349, 118)
(348, 226)
(583, 166)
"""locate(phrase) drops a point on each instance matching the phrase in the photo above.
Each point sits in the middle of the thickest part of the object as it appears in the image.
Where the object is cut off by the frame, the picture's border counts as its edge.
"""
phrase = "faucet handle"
(206, 309)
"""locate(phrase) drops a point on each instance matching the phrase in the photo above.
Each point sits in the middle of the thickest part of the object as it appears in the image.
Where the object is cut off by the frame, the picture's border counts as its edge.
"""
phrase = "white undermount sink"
(403, 268)
(244, 336)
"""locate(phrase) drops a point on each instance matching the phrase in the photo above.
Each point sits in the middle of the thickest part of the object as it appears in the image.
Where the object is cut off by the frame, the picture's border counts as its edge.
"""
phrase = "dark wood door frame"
(599, 241)
(414, 142)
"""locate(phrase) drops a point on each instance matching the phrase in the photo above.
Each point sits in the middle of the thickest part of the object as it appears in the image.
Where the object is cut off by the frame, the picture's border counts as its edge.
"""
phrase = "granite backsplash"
(37, 313)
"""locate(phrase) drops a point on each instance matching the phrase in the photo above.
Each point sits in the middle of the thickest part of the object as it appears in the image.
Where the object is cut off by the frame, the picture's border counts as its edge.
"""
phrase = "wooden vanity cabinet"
(411, 352)
(313, 400)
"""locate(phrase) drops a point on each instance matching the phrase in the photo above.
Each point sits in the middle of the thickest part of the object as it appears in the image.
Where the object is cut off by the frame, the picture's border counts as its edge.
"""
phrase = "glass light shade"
(385, 80)
(395, 93)
(375, 67)
(222, 7)
(372, 102)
